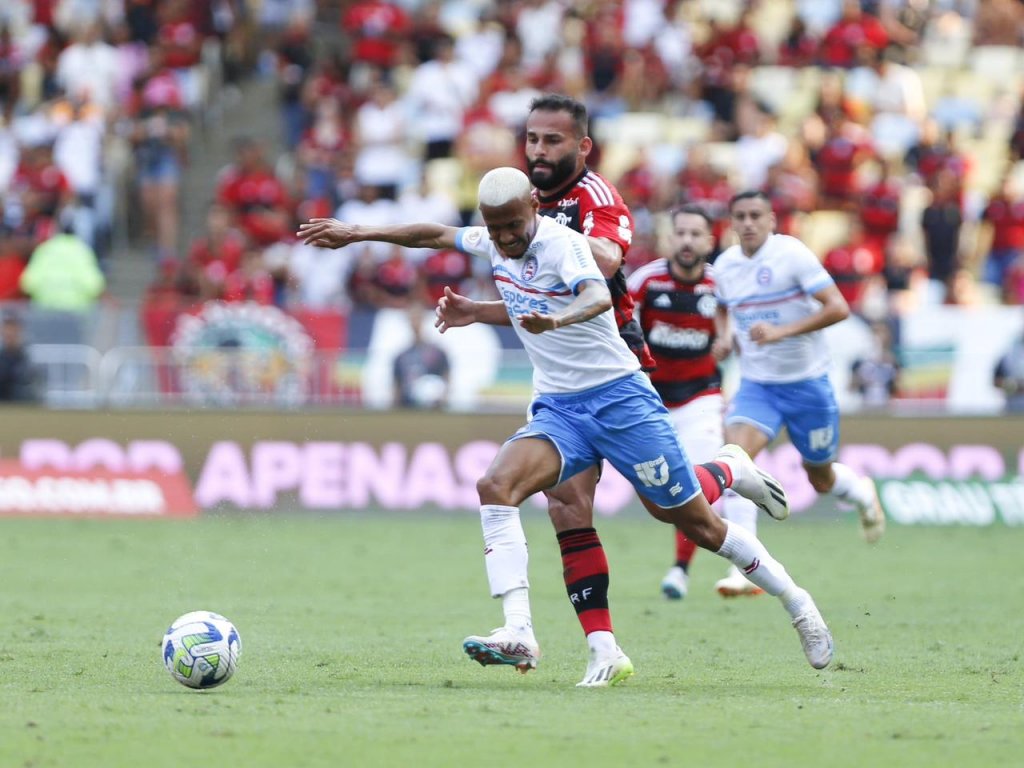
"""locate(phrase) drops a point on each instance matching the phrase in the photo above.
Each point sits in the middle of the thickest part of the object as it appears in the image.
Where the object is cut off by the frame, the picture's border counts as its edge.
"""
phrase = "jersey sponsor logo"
(662, 301)
(764, 276)
(517, 303)
(567, 202)
(747, 319)
(660, 285)
(671, 337)
(529, 269)
(652, 473)
(707, 305)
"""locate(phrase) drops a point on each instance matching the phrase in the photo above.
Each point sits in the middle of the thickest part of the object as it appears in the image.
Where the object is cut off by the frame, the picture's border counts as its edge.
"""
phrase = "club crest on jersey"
(764, 276)
(562, 219)
(529, 269)
(472, 237)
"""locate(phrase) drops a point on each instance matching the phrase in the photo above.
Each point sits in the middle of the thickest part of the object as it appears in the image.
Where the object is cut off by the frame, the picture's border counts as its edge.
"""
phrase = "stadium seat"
(774, 85)
(995, 62)
(637, 129)
(686, 130)
(722, 155)
(824, 230)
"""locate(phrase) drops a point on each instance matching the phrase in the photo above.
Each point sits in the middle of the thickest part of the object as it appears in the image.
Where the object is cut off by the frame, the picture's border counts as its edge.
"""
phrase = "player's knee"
(492, 489)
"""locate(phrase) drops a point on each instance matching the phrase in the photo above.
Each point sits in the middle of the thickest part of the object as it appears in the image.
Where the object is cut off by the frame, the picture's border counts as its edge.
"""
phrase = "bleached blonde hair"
(503, 185)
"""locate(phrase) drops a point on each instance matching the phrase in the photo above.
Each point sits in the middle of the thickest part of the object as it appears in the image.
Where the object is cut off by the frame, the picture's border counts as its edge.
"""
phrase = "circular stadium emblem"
(707, 305)
(241, 353)
(529, 268)
(764, 276)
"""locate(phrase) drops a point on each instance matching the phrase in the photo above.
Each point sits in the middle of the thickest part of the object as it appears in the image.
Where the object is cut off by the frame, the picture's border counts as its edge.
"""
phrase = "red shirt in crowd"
(839, 47)
(1007, 219)
(376, 28)
(255, 197)
(851, 264)
(444, 268)
(837, 163)
(880, 210)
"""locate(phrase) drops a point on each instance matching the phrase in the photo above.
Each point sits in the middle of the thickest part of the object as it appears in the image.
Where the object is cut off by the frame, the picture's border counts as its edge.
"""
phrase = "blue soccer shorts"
(624, 422)
(806, 408)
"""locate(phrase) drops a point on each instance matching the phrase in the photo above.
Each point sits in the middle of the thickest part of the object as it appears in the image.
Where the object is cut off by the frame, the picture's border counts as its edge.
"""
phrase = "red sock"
(714, 477)
(684, 550)
(585, 569)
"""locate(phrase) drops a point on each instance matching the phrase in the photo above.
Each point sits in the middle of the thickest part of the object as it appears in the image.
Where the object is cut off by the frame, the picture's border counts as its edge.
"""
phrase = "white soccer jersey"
(775, 286)
(572, 358)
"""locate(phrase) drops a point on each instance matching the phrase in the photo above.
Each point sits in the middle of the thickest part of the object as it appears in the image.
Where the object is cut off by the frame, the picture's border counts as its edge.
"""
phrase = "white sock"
(741, 511)
(516, 605)
(748, 554)
(602, 643)
(506, 559)
(848, 486)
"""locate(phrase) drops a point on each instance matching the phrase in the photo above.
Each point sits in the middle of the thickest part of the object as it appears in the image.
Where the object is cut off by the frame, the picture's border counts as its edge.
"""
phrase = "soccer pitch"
(352, 626)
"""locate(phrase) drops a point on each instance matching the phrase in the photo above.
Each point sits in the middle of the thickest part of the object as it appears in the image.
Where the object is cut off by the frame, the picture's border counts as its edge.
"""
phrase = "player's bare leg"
(585, 569)
(855, 490)
(706, 529)
(521, 468)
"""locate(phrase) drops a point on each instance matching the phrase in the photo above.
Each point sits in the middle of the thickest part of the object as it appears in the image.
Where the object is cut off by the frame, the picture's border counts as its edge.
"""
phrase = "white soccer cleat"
(814, 637)
(735, 584)
(872, 517)
(751, 482)
(604, 671)
(513, 647)
(675, 584)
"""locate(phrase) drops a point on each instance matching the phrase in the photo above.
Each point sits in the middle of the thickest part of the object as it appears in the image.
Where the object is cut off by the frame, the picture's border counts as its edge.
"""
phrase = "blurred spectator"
(999, 22)
(421, 372)
(701, 183)
(17, 377)
(941, 222)
(160, 133)
(759, 146)
(319, 149)
(63, 274)
(252, 281)
(1009, 376)
(1002, 232)
(445, 269)
(376, 28)
(852, 263)
(255, 196)
(213, 256)
(11, 64)
(932, 153)
(879, 207)
(87, 68)
(876, 376)
(441, 90)
(39, 189)
(379, 139)
(78, 152)
(847, 147)
(295, 60)
(792, 187)
(854, 29)
(421, 202)
(180, 42)
(798, 48)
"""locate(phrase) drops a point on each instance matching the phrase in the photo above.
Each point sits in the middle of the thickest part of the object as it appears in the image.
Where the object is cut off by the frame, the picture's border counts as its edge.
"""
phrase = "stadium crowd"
(887, 133)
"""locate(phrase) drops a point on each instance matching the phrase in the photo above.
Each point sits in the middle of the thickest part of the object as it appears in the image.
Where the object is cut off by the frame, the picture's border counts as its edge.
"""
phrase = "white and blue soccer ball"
(201, 649)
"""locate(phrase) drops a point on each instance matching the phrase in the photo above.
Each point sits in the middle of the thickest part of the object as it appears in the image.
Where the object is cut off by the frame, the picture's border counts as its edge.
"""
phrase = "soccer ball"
(201, 649)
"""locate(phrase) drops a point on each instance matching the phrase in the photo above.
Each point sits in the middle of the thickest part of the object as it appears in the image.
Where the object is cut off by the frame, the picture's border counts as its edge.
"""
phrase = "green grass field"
(351, 629)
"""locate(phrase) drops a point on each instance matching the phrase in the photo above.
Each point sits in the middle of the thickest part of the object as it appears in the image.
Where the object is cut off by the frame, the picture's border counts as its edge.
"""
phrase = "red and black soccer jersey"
(678, 321)
(593, 206)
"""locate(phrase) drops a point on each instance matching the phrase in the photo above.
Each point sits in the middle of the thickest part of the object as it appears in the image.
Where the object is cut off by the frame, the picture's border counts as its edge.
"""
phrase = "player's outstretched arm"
(331, 233)
(608, 255)
(592, 299)
(456, 311)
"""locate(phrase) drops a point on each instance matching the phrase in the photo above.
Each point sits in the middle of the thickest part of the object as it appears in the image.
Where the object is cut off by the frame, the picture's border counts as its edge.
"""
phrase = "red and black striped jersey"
(593, 206)
(678, 321)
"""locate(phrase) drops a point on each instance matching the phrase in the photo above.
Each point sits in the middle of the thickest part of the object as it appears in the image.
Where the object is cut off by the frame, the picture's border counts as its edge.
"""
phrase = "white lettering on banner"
(975, 487)
(946, 502)
(80, 495)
